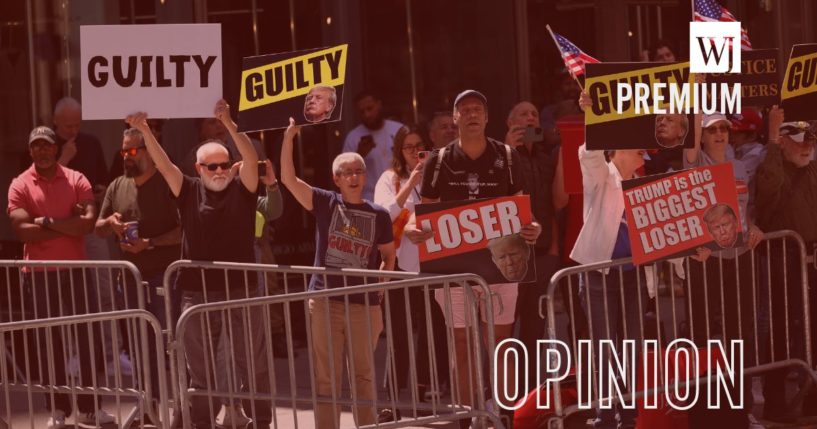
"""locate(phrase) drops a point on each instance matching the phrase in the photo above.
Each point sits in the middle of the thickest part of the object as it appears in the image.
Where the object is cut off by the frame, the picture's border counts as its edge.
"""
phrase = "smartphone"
(262, 168)
(423, 154)
(533, 134)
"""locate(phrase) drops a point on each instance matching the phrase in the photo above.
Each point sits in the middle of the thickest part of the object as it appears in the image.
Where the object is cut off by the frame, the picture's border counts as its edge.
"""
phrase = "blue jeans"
(614, 304)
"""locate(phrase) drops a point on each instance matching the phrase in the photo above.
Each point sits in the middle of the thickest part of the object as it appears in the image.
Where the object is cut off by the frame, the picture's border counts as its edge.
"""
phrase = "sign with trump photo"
(631, 108)
(304, 85)
(479, 237)
(672, 215)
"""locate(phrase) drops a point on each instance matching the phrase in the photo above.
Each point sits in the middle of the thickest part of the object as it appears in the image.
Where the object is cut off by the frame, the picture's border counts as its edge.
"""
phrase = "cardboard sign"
(480, 237)
(305, 85)
(673, 214)
(167, 70)
(799, 89)
(606, 128)
(758, 78)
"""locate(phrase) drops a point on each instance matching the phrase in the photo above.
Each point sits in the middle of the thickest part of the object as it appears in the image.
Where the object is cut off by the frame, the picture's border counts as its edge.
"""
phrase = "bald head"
(67, 118)
(523, 114)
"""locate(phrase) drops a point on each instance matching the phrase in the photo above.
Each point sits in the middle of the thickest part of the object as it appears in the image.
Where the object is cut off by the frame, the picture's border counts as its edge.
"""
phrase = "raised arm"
(301, 190)
(691, 155)
(249, 169)
(173, 176)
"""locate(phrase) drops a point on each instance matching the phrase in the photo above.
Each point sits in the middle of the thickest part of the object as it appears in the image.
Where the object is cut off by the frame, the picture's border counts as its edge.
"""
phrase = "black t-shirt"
(463, 178)
(151, 205)
(216, 226)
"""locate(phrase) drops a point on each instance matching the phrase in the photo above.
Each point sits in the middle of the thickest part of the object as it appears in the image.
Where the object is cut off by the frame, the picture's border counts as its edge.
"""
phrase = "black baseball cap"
(470, 93)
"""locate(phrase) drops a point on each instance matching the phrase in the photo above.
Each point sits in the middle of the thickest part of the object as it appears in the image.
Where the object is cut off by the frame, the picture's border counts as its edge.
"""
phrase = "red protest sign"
(478, 236)
(672, 215)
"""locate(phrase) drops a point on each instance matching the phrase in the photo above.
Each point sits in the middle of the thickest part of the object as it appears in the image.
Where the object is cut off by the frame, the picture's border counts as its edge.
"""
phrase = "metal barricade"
(47, 370)
(221, 281)
(33, 290)
(759, 296)
(283, 389)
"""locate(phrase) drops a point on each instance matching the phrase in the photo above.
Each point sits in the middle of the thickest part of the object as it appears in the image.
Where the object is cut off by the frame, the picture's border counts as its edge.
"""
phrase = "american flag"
(573, 57)
(711, 11)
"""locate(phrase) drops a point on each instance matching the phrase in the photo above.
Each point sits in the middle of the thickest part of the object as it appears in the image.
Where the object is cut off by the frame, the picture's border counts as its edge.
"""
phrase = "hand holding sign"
(755, 236)
(292, 130)
(585, 101)
(222, 113)
(530, 232)
(138, 120)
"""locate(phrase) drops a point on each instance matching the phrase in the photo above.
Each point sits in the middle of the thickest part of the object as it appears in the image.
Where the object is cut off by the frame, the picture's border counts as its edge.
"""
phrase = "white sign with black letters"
(165, 70)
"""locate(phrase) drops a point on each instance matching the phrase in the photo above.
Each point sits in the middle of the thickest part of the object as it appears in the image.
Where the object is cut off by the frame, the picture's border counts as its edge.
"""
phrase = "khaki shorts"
(503, 304)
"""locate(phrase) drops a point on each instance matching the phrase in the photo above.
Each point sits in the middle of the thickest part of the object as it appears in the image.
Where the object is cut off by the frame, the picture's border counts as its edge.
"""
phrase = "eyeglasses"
(349, 173)
(215, 166)
(718, 129)
(132, 151)
(412, 147)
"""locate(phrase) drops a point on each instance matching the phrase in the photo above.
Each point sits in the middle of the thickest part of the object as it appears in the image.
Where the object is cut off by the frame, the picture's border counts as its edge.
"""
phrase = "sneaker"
(125, 365)
(388, 415)
(95, 420)
(56, 421)
(232, 416)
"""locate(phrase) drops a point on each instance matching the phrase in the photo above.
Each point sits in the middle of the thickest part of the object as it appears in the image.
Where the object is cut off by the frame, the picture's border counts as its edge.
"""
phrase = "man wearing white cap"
(787, 199)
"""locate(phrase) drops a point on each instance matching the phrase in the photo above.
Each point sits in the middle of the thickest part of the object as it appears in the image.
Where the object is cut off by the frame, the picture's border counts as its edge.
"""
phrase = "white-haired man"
(217, 212)
(350, 231)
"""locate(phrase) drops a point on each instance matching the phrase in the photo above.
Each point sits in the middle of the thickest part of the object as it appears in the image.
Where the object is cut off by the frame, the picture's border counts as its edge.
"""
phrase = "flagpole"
(692, 11)
(562, 54)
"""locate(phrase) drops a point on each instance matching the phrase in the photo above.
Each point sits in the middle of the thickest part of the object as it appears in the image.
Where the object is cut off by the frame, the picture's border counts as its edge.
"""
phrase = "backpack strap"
(440, 155)
(509, 159)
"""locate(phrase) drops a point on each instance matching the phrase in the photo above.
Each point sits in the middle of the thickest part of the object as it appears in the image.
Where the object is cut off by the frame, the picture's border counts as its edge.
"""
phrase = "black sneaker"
(388, 415)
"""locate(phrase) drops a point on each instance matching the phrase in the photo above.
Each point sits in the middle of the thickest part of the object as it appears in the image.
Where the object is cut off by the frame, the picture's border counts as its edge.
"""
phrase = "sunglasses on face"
(215, 166)
(718, 129)
(132, 151)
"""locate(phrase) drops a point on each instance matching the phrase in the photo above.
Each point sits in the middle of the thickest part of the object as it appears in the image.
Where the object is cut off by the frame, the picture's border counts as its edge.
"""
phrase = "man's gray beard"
(211, 184)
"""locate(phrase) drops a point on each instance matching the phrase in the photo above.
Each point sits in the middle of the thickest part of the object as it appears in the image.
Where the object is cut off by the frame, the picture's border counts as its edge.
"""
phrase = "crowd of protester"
(67, 205)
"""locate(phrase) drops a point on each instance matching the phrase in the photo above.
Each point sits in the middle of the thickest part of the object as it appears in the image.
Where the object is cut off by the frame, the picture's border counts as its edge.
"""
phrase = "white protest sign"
(165, 70)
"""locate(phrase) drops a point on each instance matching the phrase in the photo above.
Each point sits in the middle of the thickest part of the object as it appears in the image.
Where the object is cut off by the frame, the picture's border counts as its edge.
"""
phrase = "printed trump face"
(319, 103)
(510, 254)
(722, 224)
(671, 130)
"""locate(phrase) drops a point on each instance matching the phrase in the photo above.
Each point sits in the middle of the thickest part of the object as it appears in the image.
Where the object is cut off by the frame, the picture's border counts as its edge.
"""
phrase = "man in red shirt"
(52, 208)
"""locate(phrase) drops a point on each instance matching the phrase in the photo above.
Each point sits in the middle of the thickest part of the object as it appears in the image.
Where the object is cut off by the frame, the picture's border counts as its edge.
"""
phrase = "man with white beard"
(217, 212)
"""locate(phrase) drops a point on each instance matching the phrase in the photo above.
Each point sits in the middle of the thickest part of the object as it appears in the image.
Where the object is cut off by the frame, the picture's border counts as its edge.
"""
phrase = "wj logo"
(714, 47)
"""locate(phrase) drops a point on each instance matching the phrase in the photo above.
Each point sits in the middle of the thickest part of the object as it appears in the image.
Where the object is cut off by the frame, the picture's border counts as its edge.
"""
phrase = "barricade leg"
(201, 345)
(615, 305)
(248, 340)
(57, 294)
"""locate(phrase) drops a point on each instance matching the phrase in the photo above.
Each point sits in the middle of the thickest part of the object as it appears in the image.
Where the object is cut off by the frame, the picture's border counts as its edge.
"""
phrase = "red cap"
(748, 120)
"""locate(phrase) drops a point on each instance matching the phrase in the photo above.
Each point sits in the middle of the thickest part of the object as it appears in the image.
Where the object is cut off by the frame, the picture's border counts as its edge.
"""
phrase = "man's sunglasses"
(132, 151)
(215, 166)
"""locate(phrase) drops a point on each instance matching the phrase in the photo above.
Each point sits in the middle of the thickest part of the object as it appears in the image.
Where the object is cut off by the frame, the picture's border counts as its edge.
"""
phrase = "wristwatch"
(150, 244)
